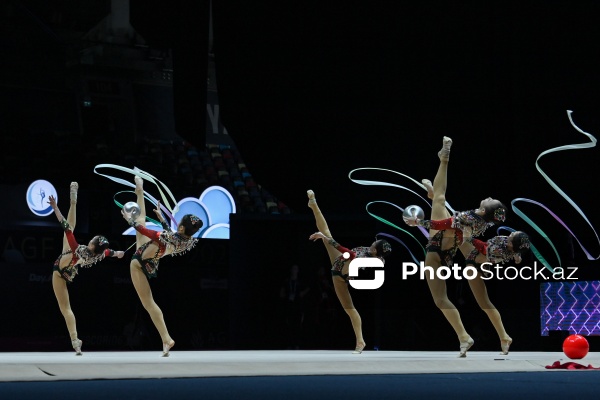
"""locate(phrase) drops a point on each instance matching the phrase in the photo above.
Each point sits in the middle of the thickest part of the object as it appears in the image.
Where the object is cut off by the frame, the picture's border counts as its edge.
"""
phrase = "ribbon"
(517, 211)
(145, 196)
(569, 365)
(554, 186)
(385, 221)
(401, 242)
(397, 227)
(379, 183)
(167, 208)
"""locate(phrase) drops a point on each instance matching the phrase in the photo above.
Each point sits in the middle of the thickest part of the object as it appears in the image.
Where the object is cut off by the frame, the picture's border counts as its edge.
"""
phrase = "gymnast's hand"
(52, 201)
(316, 236)
(158, 212)
(411, 221)
(119, 254)
(126, 215)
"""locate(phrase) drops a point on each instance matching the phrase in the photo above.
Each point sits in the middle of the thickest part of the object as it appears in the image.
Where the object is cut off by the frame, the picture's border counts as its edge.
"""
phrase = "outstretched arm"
(161, 218)
(149, 233)
(465, 234)
(52, 202)
(65, 225)
(438, 225)
(114, 253)
(319, 235)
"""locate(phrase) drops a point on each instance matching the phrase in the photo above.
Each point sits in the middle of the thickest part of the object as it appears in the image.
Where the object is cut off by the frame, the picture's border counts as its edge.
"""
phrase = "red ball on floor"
(576, 347)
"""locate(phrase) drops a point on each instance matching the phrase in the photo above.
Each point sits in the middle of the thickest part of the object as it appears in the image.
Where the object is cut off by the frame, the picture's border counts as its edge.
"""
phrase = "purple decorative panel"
(570, 306)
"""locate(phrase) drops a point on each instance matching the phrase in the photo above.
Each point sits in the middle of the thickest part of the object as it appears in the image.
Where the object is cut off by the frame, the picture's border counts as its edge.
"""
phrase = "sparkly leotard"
(495, 250)
(457, 223)
(81, 256)
(340, 261)
(165, 240)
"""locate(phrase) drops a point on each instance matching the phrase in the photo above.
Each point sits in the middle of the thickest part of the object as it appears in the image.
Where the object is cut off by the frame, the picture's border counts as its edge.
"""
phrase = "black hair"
(495, 213)
(520, 242)
(100, 243)
(191, 224)
(383, 248)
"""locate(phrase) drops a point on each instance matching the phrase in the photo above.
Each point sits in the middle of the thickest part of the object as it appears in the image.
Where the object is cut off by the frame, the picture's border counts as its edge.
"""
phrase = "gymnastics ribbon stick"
(397, 227)
(169, 210)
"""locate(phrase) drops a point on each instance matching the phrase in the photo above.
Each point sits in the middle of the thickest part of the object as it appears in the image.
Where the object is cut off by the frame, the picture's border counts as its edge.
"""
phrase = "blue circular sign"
(37, 197)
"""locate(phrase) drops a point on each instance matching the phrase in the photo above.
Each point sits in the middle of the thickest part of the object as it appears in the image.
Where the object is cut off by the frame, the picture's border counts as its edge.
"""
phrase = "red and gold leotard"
(340, 261)
(165, 240)
(458, 222)
(81, 256)
(495, 250)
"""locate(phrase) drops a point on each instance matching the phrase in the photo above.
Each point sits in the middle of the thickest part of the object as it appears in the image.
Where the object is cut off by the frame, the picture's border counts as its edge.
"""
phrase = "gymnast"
(151, 246)
(339, 270)
(499, 249)
(444, 242)
(72, 257)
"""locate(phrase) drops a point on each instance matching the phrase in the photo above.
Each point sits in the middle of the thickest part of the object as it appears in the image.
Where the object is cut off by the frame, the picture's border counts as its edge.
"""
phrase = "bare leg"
(72, 214)
(340, 286)
(440, 183)
(343, 294)
(140, 282)
(480, 292)
(142, 287)
(483, 300)
(322, 225)
(438, 290)
(141, 219)
(62, 296)
(437, 287)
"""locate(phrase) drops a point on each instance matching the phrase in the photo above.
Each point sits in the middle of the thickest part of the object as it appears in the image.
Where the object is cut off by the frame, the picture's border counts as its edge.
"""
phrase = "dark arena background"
(263, 101)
